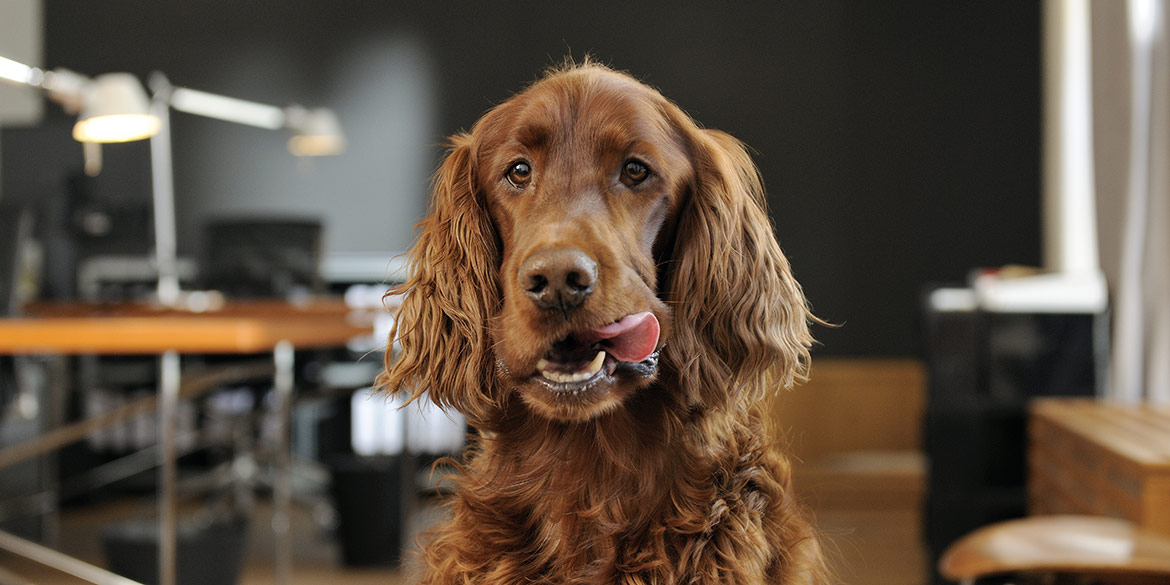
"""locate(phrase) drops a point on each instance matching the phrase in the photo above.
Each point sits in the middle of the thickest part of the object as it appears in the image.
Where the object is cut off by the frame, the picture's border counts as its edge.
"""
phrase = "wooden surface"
(1070, 544)
(851, 405)
(1098, 458)
(855, 434)
(240, 327)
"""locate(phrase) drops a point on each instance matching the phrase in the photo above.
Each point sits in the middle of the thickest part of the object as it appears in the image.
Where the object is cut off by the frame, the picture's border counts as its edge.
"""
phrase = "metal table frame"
(256, 327)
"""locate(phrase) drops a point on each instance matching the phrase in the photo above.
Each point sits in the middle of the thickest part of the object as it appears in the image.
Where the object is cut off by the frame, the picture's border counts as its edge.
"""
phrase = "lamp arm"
(62, 85)
(18, 73)
(210, 105)
(315, 132)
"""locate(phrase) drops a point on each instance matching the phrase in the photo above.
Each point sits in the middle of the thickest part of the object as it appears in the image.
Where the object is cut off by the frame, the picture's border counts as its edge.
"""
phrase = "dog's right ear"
(741, 320)
(451, 292)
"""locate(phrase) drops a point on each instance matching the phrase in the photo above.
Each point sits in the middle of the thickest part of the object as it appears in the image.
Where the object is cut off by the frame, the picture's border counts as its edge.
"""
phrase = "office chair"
(1087, 549)
(263, 257)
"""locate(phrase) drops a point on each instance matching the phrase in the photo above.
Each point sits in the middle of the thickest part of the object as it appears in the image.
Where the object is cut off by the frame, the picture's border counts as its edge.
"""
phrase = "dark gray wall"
(899, 140)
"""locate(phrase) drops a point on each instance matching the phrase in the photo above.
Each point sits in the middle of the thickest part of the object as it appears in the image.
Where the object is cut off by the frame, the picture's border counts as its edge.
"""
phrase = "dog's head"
(586, 238)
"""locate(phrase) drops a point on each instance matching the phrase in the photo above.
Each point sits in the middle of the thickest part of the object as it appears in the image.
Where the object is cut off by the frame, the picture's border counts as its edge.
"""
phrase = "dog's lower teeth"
(565, 377)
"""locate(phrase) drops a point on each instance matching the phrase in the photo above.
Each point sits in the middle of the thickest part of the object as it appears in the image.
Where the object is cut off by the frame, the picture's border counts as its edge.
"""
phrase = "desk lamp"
(112, 107)
(315, 132)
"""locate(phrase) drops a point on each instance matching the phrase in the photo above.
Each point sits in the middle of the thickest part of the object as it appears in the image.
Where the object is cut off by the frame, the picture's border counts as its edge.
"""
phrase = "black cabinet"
(984, 369)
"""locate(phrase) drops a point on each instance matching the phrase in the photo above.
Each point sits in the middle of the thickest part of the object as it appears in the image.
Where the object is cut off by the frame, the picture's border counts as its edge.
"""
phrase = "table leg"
(53, 417)
(168, 408)
(282, 489)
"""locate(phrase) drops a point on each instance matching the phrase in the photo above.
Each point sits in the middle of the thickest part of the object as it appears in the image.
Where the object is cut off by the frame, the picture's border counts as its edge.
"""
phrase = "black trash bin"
(206, 554)
(367, 492)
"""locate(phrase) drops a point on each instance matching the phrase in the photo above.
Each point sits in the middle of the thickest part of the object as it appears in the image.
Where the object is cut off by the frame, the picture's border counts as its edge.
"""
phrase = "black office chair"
(248, 258)
(255, 258)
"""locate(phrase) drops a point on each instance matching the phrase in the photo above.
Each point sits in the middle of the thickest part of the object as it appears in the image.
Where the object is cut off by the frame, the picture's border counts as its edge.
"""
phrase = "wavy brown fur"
(670, 479)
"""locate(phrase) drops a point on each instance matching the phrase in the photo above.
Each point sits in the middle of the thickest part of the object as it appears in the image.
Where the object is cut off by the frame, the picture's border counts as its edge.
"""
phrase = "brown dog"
(599, 290)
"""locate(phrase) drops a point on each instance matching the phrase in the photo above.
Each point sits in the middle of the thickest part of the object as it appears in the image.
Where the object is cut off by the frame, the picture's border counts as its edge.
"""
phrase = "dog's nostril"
(537, 283)
(578, 283)
(558, 279)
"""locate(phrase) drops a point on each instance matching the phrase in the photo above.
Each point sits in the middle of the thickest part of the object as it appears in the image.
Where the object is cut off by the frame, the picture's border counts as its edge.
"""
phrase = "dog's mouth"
(583, 358)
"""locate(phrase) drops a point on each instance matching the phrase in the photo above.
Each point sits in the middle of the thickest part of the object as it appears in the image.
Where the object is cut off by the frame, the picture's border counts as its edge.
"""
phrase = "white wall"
(21, 35)
(20, 40)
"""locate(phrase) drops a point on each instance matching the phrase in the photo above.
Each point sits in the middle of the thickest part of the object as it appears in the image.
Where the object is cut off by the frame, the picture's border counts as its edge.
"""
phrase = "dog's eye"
(634, 172)
(519, 174)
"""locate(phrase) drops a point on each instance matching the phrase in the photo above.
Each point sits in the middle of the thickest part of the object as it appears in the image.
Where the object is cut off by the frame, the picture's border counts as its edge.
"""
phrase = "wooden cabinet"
(1099, 458)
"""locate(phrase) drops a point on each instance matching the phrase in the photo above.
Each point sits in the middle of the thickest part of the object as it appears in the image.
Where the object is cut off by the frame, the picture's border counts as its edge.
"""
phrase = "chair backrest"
(262, 257)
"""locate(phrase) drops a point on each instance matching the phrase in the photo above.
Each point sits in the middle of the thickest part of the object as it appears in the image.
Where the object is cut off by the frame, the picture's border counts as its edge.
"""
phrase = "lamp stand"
(162, 180)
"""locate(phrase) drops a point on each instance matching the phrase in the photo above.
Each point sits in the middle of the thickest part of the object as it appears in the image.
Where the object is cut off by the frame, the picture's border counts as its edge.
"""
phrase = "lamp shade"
(316, 132)
(115, 109)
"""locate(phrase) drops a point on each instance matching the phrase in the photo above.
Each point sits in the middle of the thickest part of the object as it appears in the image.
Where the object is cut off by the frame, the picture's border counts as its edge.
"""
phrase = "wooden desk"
(239, 328)
(1098, 458)
(121, 329)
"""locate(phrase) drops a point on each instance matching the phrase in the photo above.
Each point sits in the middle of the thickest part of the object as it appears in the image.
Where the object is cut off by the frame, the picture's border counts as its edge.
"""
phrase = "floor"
(866, 505)
(315, 552)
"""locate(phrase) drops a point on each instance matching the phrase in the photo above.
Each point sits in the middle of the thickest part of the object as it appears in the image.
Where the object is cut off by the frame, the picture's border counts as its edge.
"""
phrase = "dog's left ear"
(740, 318)
(451, 292)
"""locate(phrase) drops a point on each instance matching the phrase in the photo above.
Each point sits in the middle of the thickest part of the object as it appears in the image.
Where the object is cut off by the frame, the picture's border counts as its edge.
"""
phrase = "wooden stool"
(1079, 545)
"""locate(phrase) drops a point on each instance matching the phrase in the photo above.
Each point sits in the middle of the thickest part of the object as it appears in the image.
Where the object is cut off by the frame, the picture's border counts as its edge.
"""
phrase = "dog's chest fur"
(682, 511)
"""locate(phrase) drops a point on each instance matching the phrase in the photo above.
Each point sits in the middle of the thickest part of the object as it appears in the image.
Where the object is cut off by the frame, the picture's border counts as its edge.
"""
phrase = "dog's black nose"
(558, 280)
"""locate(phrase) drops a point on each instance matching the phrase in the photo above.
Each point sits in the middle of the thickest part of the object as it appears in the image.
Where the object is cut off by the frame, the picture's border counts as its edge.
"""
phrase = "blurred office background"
(900, 143)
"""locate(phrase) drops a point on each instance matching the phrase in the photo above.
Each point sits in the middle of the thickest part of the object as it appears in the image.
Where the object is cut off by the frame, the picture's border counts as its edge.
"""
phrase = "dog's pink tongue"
(632, 339)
